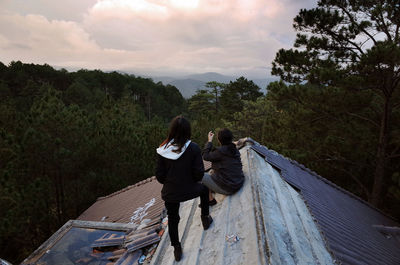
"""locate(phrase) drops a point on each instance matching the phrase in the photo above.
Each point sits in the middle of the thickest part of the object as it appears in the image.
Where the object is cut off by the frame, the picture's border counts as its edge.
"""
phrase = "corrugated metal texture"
(130, 205)
(346, 220)
(207, 165)
(141, 238)
(265, 222)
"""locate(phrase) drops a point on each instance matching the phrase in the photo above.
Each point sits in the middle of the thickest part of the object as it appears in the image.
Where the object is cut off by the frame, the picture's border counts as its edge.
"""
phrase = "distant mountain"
(211, 76)
(189, 84)
(188, 87)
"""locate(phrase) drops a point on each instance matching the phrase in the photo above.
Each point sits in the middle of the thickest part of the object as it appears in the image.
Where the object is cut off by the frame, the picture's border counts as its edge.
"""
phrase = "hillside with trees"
(67, 138)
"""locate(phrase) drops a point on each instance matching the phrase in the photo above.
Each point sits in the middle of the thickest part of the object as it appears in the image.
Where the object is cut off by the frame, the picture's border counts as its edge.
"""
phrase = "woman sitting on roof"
(226, 176)
(180, 168)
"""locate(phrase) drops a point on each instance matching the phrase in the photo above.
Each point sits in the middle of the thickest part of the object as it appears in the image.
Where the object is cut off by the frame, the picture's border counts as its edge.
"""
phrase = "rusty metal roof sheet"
(130, 205)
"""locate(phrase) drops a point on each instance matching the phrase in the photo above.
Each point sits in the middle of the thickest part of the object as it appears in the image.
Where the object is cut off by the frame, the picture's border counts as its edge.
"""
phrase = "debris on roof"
(389, 232)
(74, 244)
(141, 238)
(97, 238)
(129, 258)
(109, 239)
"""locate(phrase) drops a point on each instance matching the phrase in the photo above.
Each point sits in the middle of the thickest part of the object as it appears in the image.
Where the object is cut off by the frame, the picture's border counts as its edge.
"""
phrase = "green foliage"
(201, 104)
(349, 52)
(69, 138)
(214, 109)
(216, 89)
(323, 128)
(234, 94)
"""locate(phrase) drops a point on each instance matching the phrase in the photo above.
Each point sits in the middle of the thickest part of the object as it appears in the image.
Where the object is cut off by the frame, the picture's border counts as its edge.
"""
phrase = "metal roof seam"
(261, 232)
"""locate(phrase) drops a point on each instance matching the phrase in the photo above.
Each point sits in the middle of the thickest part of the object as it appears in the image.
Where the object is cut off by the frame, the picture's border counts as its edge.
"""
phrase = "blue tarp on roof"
(347, 222)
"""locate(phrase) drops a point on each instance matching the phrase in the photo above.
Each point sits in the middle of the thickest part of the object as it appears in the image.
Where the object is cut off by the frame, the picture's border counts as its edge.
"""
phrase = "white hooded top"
(167, 150)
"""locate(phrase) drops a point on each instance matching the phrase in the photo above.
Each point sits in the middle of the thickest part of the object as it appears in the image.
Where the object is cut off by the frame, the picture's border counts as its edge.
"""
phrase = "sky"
(149, 37)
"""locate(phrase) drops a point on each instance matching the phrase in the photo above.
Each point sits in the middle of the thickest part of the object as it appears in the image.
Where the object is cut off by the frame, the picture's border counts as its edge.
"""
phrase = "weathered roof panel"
(130, 205)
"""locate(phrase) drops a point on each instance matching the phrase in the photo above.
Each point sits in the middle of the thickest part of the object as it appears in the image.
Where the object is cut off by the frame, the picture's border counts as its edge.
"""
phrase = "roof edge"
(128, 188)
(245, 141)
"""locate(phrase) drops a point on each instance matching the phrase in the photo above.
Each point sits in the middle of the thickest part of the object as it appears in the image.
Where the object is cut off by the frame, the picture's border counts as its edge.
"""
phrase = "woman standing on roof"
(226, 176)
(180, 168)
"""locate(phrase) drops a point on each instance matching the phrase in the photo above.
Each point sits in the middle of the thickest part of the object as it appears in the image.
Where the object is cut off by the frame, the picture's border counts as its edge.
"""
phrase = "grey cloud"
(51, 9)
(190, 43)
(17, 46)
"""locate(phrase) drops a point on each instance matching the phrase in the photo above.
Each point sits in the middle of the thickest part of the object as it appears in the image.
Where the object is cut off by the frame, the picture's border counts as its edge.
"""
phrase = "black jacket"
(180, 177)
(226, 165)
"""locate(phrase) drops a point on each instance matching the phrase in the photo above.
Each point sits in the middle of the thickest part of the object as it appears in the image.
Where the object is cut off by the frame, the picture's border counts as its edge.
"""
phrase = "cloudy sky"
(154, 37)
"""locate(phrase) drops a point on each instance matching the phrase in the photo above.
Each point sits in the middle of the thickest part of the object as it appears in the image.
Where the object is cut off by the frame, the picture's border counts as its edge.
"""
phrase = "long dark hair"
(179, 130)
(225, 137)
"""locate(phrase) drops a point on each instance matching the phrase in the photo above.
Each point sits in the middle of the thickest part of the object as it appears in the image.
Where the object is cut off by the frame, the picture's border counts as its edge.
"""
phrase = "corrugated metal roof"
(346, 220)
(130, 205)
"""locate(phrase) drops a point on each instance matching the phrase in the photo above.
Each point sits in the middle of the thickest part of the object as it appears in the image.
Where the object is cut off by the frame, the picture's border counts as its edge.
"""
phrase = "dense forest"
(67, 138)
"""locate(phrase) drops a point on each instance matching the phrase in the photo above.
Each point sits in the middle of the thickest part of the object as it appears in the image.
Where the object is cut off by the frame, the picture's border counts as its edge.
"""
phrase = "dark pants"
(173, 215)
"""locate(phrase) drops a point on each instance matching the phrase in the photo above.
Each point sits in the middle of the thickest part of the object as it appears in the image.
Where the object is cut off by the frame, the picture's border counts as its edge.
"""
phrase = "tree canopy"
(353, 45)
(69, 138)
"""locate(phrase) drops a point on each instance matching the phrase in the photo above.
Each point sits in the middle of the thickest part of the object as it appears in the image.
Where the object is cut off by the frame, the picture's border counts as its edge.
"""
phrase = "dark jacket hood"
(229, 150)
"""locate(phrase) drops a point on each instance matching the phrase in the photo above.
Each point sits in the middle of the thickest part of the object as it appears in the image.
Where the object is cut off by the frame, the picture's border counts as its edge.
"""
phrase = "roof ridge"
(294, 162)
(140, 183)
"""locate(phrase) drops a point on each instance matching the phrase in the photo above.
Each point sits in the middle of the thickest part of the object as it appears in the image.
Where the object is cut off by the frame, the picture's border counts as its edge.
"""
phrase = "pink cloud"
(191, 35)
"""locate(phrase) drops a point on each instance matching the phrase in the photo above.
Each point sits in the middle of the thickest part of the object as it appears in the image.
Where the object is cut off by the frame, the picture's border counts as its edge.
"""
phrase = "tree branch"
(354, 22)
(364, 118)
(394, 153)
(318, 118)
(337, 38)
(385, 27)
(352, 176)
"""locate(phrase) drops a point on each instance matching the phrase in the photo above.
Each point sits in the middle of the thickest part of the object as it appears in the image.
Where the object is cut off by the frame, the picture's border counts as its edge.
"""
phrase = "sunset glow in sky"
(153, 37)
